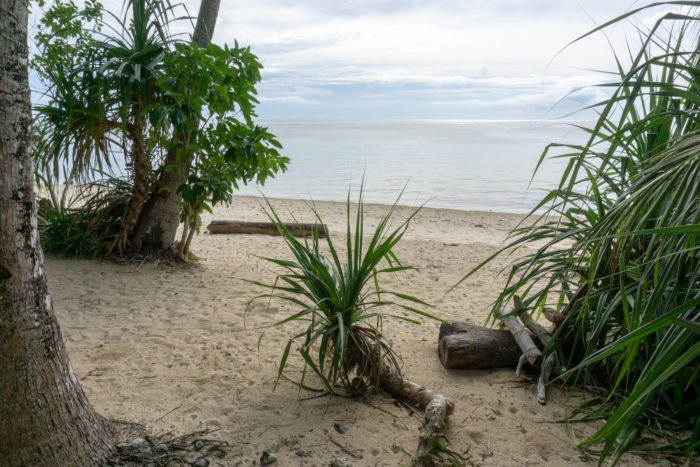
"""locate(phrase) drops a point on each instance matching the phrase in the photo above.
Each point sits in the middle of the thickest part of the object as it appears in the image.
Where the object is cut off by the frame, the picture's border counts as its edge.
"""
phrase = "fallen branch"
(437, 408)
(544, 336)
(346, 450)
(431, 432)
(525, 342)
(544, 377)
(553, 316)
(580, 293)
(264, 228)
(536, 328)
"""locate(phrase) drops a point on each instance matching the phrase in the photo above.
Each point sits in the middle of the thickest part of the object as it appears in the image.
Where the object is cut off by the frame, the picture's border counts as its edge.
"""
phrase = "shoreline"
(452, 226)
(386, 205)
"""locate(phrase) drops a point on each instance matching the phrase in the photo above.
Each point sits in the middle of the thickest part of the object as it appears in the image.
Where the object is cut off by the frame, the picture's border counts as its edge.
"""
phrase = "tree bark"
(139, 192)
(156, 228)
(45, 417)
(464, 345)
(206, 22)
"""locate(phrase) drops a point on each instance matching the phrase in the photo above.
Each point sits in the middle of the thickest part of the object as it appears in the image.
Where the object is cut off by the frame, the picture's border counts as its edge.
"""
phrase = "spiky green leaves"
(617, 247)
(341, 300)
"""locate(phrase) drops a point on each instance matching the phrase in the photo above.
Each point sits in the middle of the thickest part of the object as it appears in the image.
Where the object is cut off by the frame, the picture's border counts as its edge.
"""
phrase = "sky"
(423, 60)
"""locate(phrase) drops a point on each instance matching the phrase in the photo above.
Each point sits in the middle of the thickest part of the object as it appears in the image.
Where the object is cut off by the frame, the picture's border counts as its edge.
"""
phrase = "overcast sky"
(430, 59)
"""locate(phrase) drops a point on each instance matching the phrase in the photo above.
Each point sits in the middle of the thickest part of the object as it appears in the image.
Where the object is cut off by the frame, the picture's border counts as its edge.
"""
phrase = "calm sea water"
(469, 165)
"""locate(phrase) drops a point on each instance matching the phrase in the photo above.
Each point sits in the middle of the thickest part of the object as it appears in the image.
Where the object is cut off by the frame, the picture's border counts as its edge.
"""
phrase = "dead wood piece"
(580, 293)
(437, 408)
(552, 315)
(394, 383)
(525, 342)
(521, 364)
(542, 334)
(431, 432)
(544, 377)
(456, 327)
(465, 345)
(264, 228)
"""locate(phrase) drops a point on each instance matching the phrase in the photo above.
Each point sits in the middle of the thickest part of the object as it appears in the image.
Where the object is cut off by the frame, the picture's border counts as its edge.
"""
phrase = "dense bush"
(84, 220)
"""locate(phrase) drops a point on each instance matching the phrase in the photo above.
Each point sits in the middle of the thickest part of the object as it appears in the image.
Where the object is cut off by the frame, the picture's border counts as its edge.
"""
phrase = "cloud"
(444, 53)
(289, 99)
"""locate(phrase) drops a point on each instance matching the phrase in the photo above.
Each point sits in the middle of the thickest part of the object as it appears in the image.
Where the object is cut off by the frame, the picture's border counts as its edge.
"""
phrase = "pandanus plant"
(342, 301)
(344, 306)
(616, 248)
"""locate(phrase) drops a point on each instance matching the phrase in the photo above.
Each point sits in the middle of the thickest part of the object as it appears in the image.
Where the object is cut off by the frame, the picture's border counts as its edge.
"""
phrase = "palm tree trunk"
(206, 22)
(156, 228)
(46, 418)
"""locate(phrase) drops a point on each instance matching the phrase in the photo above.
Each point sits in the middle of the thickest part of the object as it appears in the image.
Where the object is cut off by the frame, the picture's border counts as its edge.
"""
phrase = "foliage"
(64, 36)
(620, 238)
(101, 86)
(83, 223)
(341, 301)
(225, 150)
(77, 221)
(129, 90)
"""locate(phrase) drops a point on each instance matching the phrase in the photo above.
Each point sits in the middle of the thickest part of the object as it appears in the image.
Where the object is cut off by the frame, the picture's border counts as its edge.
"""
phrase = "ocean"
(466, 165)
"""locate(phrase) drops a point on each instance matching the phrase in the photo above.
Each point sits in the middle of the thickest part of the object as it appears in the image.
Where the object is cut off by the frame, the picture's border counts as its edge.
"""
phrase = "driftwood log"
(466, 345)
(265, 228)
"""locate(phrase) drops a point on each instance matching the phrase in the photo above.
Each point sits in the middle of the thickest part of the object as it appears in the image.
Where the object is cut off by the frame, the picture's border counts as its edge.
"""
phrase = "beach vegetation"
(126, 93)
(81, 222)
(342, 302)
(616, 248)
(343, 307)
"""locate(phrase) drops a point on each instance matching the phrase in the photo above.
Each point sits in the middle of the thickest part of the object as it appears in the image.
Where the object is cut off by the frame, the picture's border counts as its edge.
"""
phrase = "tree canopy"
(125, 91)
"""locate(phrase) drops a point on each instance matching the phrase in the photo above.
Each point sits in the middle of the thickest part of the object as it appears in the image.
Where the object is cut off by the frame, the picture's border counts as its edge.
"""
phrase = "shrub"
(620, 237)
(342, 302)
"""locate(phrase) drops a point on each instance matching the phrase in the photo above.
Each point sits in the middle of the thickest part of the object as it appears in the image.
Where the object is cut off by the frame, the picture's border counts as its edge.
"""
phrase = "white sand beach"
(176, 348)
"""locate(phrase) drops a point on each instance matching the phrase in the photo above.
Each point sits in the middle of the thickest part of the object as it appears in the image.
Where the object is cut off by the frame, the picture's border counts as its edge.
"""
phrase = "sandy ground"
(175, 349)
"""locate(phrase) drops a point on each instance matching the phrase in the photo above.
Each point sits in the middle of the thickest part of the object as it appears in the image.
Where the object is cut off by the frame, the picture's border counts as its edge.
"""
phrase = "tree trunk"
(139, 193)
(206, 22)
(45, 417)
(157, 226)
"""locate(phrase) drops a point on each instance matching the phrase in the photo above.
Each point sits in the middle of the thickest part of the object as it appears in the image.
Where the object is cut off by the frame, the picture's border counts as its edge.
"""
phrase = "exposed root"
(371, 364)
(120, 242)
(432, 447)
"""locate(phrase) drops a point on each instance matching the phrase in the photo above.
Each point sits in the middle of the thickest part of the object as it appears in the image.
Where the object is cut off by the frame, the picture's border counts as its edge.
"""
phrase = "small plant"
(443, 455)
(286, 442)
(342, 301)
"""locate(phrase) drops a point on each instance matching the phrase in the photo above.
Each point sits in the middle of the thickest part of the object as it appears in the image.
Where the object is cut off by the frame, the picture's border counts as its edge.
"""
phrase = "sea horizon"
(468, 165)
